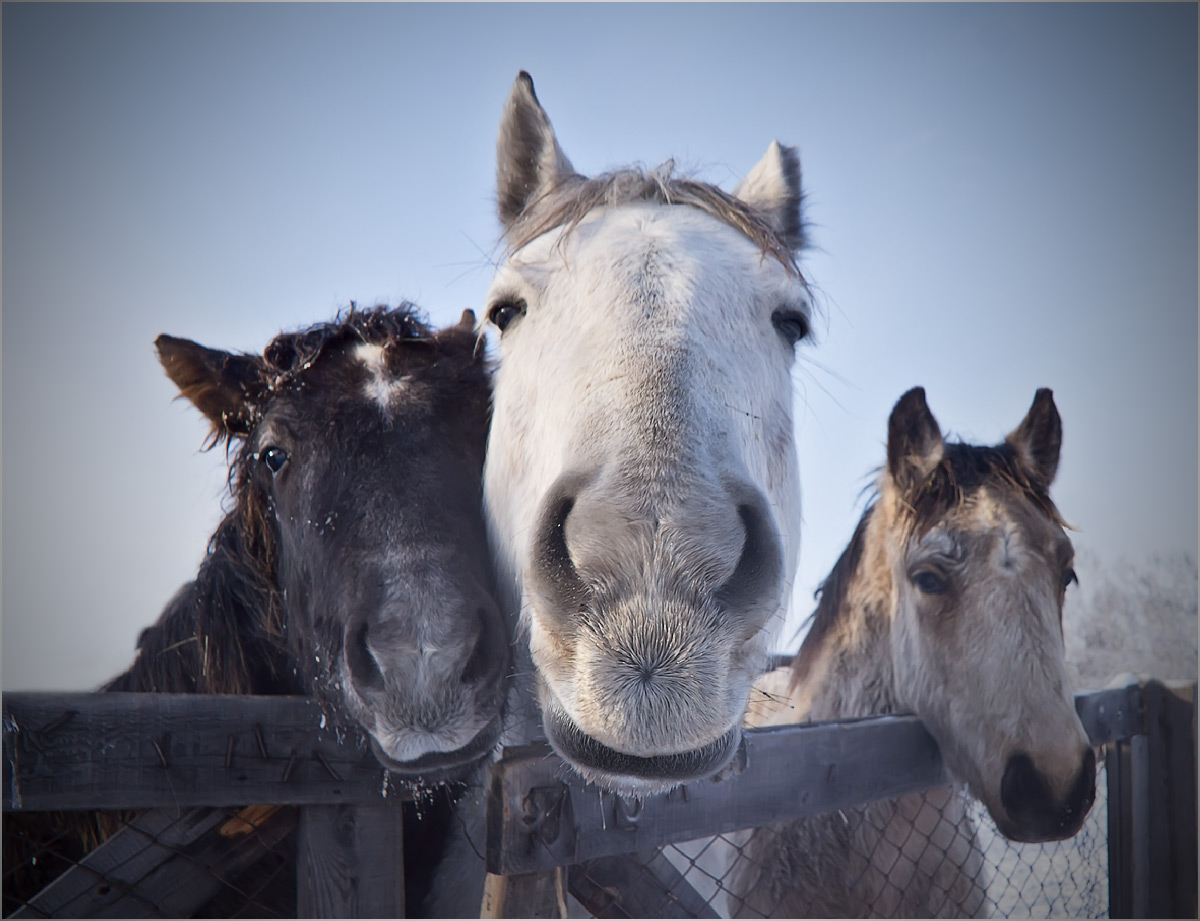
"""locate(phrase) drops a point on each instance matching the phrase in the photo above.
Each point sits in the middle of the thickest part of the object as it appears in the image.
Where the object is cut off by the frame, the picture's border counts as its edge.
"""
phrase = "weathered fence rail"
(129, 751)
(547, 831)
(538, 818)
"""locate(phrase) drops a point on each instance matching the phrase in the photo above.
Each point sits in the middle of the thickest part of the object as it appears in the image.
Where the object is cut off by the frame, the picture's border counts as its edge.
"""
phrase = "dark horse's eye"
(273, 459)
(504, 312)
(929, 583)
(791, 324)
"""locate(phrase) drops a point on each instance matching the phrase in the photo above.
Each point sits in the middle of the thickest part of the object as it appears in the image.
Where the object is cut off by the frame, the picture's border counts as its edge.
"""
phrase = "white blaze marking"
(381, 387)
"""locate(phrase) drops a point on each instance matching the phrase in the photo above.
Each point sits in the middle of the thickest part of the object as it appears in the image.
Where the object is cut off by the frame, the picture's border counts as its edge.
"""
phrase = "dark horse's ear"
(529, 162)
(915, 445)
(227, 387)
(773, 189)
(1038, 439)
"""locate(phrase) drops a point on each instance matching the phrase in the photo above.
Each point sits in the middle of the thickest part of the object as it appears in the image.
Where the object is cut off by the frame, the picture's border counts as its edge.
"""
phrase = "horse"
(641, 481)
(946, 603)
(353, 564)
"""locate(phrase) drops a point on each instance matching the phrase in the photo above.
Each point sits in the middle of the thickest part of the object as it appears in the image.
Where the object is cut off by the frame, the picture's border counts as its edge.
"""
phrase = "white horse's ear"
(529, 162)
(1038, 439)
(915, 445)
(773, 189)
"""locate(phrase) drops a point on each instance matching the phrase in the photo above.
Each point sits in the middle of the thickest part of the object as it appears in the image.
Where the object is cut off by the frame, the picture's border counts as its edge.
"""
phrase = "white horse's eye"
(792, 325)
(929, 583)
(504, 312)
(273, 459)
(1069, 577)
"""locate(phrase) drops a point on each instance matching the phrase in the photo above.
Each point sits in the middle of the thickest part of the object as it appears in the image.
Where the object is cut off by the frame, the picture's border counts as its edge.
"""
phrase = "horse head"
(980, 565)
(641, 482)
(357, 478)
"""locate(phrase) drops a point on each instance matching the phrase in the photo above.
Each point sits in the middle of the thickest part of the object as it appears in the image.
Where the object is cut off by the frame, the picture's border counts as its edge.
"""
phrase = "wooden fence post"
(350, 862)
(525, 895)
(1152, 810)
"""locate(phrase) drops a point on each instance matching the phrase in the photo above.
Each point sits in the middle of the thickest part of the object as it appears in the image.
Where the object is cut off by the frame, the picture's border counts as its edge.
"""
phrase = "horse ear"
(529, 162)
(225, 386)
(915, 445)
(1038, 439)
(773, 188)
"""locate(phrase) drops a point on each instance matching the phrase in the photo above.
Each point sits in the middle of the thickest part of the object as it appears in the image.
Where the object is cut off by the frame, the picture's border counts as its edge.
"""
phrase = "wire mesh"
(939, 857)
(202, 863)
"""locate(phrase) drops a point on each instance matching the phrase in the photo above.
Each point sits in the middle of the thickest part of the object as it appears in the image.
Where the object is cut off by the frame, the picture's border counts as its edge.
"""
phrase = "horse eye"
(504, 312)
(273, 459)
(1069, 577)
(793, 326)
(930, 583)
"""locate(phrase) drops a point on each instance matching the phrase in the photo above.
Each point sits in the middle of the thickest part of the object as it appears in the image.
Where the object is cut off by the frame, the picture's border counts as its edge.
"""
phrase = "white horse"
(641, 482)
(947, 603)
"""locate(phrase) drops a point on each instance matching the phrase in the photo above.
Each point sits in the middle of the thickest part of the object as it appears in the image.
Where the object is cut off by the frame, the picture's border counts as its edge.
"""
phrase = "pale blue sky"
(1002, 197)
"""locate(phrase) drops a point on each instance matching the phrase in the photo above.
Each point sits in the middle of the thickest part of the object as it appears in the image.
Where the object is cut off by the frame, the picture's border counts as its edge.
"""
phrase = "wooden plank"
(524, 895)
(350, 862)
(1119, 771)
(789, 771)
(542, 815)
(1165, 881)
(118, 751)
(161, 865)
(645, 885)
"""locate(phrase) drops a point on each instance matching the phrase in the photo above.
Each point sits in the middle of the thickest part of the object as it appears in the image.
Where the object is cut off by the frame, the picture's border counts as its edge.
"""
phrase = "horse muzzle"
(637, 775)
(1032, 812)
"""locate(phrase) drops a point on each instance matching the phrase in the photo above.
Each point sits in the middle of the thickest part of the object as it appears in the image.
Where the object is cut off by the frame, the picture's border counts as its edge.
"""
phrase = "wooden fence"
(548, 833)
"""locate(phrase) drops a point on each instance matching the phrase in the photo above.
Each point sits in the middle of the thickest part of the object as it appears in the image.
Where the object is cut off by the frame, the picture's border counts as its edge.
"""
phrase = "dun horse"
(947, 603)
(642, 483)
(353, 564)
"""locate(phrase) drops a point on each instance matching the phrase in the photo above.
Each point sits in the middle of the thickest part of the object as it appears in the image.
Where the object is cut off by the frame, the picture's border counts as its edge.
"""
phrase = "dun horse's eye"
(792, 325)
(504, 312)
(929, 583)
(273, 459)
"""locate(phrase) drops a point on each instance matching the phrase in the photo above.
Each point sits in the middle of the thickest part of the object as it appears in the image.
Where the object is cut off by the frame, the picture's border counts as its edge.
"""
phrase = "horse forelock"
(573, 199)
(963, 470)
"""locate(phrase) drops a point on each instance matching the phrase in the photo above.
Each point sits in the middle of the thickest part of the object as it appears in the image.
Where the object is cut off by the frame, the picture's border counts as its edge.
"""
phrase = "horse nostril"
(363, 667)
(477, 664)
(1083, 791)
(755, 581)
(1022, 789)
(554, 576)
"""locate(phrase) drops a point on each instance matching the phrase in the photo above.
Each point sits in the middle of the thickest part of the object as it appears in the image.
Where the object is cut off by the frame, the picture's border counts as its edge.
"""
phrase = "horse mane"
(572, 200)
(962, 469)
(224, 633)
(831, 593)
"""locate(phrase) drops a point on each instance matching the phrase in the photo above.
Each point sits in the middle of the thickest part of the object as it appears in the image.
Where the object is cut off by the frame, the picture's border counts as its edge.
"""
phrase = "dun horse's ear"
(773, 188)
(529, 162)
(1038, 439)
(915, 445)
(225, 386)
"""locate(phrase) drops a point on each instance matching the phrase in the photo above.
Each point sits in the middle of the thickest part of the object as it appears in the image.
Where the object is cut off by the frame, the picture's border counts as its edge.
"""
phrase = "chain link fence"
(199, 863)
(943, 859)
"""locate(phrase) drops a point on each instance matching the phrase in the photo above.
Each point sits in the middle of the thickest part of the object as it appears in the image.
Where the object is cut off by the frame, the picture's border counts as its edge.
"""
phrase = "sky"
(1002, 197)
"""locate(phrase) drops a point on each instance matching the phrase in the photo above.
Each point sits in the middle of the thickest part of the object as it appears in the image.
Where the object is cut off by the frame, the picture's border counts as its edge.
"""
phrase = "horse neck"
(213, 637)
(845, 667)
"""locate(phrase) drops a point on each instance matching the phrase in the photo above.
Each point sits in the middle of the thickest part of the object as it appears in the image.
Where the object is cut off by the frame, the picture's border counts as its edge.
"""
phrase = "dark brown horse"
(353, 564)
